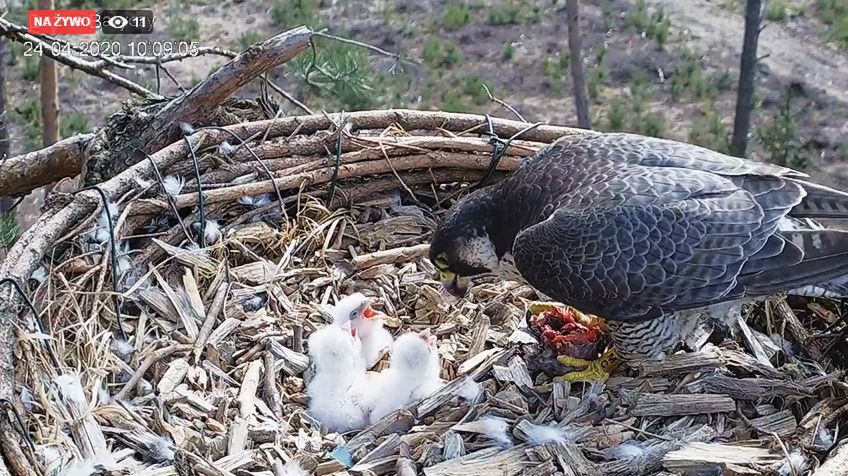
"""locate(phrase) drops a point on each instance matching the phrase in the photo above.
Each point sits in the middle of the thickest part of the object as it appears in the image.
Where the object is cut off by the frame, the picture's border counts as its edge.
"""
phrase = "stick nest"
(209, 378)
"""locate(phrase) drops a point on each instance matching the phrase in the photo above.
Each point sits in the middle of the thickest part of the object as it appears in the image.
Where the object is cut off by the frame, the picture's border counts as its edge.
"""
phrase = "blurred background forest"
(663, 68)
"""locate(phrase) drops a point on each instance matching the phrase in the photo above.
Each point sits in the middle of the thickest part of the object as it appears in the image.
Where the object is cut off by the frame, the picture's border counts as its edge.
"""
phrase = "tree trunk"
(4, 116)
(747, 69)
(49, 92)
(5, 202)
(581, 98)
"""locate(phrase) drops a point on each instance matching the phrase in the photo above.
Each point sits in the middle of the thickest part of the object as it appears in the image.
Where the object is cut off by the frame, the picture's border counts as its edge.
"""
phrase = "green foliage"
(690, 79)
(30, 69)
(248, 39)
(292, 13)
(606, 13)
(508, 51)
(835, 14)
(506, 13)
(616, 115)
(340, 74)
(183, 29)
(8, 230)
(659, 27)
(633, 114)
(452, 102)
(638, 17)
(778, 138)
(112, 4)
(598, 75)
(72, 124)
(456, 15)
(710, 132)
(439, 53)
(473, 86)
(776, 10)
(30, 114)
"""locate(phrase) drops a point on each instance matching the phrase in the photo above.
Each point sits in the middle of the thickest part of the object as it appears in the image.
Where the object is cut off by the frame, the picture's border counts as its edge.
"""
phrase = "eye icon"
(117, 22)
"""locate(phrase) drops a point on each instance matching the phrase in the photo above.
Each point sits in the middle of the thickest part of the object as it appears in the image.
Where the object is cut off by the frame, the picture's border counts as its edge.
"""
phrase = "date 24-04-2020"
(115, 48)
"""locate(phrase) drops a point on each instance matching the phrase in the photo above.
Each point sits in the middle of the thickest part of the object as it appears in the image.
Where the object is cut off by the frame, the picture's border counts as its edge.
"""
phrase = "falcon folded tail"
(823, 260)
(821, 202)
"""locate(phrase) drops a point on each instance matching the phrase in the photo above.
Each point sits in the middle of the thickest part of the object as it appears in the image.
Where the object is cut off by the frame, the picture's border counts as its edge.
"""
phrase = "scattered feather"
(103, 396)
(40, 274)
(195, 248)
(292, 468)
(50, 457)
(143, 183)
(255, 200)
(470, 390)
(27, 399)
(627, 450)
(123, 349)
(173, 184)
(538, 435)
(212, 231)
(186, 128)
(227, 149)
(497, 430)
(155, 448)
(70, 386)
(824, 438)
(796, 463)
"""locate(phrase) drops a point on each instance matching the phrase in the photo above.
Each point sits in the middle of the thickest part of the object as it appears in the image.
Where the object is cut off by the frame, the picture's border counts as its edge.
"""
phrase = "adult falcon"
(647, 233)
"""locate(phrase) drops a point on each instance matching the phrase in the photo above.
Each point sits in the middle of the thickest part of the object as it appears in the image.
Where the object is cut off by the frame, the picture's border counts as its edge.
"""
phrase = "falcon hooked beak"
(454, 284)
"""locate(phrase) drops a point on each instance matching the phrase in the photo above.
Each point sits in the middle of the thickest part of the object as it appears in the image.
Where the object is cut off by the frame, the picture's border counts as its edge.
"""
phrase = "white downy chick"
(413, 374)
(367, 325)
(336, 391)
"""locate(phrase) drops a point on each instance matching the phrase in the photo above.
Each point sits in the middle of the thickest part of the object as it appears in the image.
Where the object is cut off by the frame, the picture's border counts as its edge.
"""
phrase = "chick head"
(414, 352)
(332, 349)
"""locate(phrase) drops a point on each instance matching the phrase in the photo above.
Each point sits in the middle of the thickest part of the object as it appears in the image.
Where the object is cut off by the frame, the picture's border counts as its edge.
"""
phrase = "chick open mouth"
(369, 313)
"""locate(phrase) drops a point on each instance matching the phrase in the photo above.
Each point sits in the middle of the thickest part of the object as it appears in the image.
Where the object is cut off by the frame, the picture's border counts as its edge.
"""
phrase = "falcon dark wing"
(634, 262)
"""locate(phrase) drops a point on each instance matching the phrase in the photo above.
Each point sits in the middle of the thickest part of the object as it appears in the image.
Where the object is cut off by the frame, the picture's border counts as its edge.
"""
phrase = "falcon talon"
(592, 370)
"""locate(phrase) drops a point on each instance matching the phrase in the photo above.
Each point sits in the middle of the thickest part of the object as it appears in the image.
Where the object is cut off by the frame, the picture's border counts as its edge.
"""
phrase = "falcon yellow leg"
(593, 370)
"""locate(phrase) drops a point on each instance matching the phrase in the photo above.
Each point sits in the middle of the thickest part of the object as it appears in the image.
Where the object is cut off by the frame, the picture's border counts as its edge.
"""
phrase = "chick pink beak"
(428, 338)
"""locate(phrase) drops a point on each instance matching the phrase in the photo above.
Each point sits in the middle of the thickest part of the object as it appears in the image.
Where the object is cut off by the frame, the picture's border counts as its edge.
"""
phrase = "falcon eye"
(442, 263)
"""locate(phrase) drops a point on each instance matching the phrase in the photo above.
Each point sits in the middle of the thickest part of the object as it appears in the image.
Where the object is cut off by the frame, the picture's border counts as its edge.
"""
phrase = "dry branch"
(225, 81)
(24, 173)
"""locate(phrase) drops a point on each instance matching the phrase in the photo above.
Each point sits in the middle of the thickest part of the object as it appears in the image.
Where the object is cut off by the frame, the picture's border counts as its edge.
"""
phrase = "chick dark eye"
(352, 315)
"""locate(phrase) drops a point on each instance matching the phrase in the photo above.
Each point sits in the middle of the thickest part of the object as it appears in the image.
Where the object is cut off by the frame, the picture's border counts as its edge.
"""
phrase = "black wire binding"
(335, 177)
(41, 328)
(114, 256)
(499, 148)
(200, 204)
(22, 429)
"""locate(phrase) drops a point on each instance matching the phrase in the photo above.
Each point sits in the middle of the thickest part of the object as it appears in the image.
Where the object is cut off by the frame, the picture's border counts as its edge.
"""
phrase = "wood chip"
(652, 404)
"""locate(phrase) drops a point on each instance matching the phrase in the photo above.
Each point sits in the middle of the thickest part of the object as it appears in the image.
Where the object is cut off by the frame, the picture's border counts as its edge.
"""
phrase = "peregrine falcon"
(647, 233)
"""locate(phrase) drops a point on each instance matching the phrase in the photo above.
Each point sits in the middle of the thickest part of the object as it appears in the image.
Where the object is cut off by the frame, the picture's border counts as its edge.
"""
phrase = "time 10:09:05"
(140, 48)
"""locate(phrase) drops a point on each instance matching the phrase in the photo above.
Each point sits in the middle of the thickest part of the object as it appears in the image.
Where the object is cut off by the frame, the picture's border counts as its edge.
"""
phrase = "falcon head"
(462, 245)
